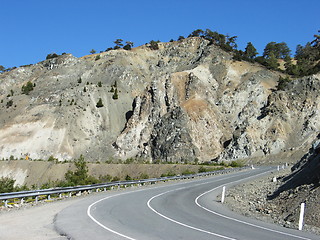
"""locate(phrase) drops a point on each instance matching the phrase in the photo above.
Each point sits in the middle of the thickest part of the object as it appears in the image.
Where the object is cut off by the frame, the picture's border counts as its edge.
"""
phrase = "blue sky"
(34, 28)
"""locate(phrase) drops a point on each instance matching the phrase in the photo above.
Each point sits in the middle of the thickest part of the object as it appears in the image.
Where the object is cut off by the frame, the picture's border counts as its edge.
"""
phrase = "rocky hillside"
(186, 101)
(301, 185)
(277, 197)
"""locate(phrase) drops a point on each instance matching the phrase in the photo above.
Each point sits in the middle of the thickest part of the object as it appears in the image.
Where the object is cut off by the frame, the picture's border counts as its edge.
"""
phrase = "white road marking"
(188, 226)
(240, 221)
(100, 224)
(180, 223)
(90, 208)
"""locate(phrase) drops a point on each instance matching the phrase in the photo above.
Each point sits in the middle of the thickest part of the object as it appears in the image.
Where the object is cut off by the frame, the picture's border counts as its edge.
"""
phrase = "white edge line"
(182, 224)
(100, 200)
(240, 221)
(100, 224)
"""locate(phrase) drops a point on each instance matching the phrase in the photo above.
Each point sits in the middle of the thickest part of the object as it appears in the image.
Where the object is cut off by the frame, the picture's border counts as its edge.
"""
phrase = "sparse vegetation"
(99, 103)
(80, 176)
(118, 43)
(52, 55)
(8, 185)
(154, 45)
(26, 89)
(9, 103)
(2, 68)
(282, 83)
(115, 94)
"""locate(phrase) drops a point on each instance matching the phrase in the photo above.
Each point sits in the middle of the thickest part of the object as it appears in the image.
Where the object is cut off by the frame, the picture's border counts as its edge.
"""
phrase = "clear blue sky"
(31, 29)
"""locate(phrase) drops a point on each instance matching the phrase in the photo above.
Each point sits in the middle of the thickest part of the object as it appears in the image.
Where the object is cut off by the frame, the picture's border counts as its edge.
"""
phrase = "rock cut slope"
(186, 101)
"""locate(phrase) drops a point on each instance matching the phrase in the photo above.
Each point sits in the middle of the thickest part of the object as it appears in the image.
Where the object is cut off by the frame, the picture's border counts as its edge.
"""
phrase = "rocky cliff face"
(188, 100)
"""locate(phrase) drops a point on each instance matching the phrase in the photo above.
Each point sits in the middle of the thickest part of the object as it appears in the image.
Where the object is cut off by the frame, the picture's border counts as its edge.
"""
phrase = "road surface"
(180, 210)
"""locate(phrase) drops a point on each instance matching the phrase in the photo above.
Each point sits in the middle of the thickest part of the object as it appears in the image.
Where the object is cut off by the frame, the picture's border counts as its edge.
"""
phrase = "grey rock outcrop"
(188, 100)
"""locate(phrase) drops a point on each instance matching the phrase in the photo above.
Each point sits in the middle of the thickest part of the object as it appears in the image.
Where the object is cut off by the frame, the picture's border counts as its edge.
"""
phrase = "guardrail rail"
(6, 197)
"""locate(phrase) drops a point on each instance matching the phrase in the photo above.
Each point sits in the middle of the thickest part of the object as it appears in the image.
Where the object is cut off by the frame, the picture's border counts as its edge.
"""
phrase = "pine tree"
(272, 62)
(115, 94)
(250, 51)
(99, 103)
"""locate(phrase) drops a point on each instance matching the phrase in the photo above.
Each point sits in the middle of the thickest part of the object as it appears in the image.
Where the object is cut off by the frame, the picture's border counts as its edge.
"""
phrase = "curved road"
(180, 210)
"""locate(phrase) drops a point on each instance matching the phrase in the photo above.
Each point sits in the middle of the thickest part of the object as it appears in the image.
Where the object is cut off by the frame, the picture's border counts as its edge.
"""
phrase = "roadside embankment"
(251, 199)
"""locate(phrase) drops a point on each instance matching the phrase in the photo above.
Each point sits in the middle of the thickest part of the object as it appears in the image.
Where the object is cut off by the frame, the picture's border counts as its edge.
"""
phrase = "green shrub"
(80, 175)
(128, 178)
(154, 45)
(6, 184)
(202, 169)
(282, 83)
(99, 103)
(144, 176)
(129, 161)
(115, 94)
(9, 103)
(52, 55)
(105, 178)
(26, 89)
(236, 164)
(187, 172)
(115, 179)
(168, 174)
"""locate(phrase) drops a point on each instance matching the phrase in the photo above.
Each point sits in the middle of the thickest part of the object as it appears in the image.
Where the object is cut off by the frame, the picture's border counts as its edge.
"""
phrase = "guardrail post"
(5, 203)
(49, 197)
(60, 195)
(70, 194)
(21, 201)
(36, 200)
(301, 215)
(278, 168)
(104, 189)
(97, 190)
(223, 193)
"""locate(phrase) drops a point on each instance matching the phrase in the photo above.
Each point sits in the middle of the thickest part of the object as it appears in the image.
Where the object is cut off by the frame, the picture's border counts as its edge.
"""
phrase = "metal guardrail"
(48, 192)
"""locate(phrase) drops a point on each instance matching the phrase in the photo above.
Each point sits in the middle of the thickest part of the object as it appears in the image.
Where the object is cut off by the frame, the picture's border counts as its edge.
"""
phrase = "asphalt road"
(179, 210)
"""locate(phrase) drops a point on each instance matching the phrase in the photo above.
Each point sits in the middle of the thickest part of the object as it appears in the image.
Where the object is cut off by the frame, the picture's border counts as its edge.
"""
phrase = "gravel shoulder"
(32, 222)
(250, 199)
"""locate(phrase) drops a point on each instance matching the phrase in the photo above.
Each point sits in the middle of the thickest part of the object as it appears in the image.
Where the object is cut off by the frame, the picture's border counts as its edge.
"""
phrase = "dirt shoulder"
(32, 222)
(250, 199)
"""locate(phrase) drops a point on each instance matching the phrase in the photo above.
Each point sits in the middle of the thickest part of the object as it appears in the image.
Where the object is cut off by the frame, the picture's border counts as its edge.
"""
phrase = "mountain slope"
(186, 101)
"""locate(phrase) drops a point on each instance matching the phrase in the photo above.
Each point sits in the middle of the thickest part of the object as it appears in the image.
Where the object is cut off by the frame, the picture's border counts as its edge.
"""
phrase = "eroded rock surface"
(186, 101)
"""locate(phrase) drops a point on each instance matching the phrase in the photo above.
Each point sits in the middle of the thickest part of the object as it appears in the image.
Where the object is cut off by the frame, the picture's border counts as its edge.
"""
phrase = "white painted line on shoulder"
(240, 221)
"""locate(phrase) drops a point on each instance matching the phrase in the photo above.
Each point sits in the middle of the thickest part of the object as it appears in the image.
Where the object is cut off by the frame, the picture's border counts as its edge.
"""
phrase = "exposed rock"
(279, 201)
(188, 100)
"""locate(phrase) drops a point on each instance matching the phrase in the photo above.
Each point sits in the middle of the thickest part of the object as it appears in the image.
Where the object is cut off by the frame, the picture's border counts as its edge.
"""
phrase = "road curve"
(180, 210)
